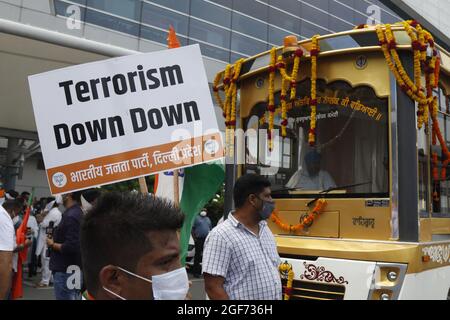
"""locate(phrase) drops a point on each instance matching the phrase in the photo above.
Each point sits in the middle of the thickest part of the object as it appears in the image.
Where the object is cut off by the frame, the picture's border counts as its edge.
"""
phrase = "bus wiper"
(285, 189)
(338, 188)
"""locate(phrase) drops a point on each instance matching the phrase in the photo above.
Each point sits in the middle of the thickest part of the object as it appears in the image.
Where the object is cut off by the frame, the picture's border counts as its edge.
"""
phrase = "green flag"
(201, 183)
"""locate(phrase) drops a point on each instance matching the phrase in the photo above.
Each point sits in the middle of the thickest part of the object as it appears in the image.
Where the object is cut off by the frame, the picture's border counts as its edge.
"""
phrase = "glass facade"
(437, 12)
(229, 29)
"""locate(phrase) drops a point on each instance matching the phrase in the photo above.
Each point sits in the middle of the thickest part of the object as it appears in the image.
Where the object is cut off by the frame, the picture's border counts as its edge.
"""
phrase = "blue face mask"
(267, 209)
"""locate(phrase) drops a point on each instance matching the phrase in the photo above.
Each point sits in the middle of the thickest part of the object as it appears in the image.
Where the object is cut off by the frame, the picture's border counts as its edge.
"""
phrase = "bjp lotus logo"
(59, 179)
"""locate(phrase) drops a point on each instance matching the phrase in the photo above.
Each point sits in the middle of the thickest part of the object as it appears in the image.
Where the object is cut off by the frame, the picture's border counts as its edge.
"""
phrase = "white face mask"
(203, 213)
(172, 285)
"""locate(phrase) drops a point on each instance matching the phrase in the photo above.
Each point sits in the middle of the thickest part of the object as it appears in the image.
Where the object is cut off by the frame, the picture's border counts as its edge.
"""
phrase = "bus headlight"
(392, 276)
(387, 281)
(385, 296)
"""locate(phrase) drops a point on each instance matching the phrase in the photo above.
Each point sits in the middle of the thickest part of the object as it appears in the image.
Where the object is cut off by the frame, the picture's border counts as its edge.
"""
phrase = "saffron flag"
(21, 237)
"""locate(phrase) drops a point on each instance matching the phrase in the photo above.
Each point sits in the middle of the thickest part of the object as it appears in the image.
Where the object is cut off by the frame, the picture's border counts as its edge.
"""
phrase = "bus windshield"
(351, 153)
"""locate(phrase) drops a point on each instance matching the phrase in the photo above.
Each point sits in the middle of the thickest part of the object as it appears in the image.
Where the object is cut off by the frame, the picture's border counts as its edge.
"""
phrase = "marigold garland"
(229, 106)
(286, 272)
(271, 104)
(313, 103)
(421, 41)
(216, 92)
(388, 46)
(292, 80)
(422, 114)
(312, 215)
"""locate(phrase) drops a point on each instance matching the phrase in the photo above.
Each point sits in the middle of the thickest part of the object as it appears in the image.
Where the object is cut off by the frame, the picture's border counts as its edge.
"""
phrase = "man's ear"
(112, 279)
(252, 200)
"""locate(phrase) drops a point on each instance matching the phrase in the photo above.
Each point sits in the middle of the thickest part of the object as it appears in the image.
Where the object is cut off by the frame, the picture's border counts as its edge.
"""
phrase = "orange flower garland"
(388, 46)
(313, 103)
(292, 79)
(226, 112)
(216, 93)
(312, 215)
(236, 72)
(271, 104)
(421, 40)
(422, 114)
(286, 272)
(229, 106)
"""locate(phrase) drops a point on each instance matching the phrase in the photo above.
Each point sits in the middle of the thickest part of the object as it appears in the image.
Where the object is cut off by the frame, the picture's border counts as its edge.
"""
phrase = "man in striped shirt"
(240, 258)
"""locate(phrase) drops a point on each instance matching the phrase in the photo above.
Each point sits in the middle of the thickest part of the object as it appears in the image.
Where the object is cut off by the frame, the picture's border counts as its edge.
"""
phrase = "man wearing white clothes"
(311, 177)
(7, 245)
(52, 214)
(33, 227)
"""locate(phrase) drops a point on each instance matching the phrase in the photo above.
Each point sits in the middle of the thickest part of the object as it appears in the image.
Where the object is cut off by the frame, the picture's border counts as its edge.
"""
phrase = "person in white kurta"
(53, 215)
(33, 225)
(312, 177)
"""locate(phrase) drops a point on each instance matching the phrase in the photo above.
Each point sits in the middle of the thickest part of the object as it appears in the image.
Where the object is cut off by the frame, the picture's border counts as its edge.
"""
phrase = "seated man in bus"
(311, 177)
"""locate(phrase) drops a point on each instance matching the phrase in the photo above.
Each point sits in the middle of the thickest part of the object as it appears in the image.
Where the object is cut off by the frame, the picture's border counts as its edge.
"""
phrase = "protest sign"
(126, 117)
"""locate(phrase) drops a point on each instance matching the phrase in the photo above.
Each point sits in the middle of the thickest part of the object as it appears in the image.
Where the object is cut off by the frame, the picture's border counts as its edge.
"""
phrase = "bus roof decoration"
(426, 61)
(230, 78)
(422, 42)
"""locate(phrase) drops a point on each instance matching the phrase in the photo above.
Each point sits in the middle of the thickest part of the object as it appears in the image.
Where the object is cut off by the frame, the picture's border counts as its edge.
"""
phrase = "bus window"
(351, 144)
(424, 162)
(251, 141)
(440, 188)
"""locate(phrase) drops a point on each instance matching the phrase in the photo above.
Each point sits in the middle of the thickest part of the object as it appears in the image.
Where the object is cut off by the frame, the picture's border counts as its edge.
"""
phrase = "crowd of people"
(52, 239)
(125, 245)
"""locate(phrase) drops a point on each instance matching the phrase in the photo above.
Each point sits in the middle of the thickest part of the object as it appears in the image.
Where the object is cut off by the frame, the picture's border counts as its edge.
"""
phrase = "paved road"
(30, 293)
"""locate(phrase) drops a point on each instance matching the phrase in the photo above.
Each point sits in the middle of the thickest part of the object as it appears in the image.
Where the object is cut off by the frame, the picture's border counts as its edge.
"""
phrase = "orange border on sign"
(89, 169)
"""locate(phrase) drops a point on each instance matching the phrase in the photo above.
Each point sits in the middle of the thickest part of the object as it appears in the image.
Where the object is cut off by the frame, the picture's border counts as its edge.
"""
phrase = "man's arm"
(216, 262)
(214, 287)
(5, 273)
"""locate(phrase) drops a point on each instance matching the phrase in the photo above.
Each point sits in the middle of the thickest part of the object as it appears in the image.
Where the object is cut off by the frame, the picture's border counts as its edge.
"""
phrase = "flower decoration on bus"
(287, 274)
(305, 222)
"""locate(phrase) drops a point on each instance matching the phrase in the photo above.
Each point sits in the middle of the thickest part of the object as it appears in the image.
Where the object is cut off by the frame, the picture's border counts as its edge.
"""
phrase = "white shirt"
(8, 236)
(302, 180)
(33, 225)
(7, 233)
(55, 216)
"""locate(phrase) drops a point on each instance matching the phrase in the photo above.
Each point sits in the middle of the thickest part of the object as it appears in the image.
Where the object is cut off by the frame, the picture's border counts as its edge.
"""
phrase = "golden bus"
(352, 131)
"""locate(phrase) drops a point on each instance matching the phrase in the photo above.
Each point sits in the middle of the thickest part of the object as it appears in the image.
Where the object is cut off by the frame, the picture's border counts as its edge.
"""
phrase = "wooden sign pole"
(143, 185)
(176, 190)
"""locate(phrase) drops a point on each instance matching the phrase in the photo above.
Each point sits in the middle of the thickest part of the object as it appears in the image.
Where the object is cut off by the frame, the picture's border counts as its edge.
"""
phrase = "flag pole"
(176, 190)
(172, 42)
(143, 185)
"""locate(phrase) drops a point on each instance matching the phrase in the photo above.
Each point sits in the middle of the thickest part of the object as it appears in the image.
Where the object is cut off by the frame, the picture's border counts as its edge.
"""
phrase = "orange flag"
(172, 43)
(17, 288)
(172, 40)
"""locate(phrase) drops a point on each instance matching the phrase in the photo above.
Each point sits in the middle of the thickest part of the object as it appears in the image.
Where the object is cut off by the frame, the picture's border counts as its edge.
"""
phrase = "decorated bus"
(352, 129)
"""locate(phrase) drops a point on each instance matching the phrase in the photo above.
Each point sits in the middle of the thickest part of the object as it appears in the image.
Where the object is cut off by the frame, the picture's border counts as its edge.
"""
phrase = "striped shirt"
(248, 262)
